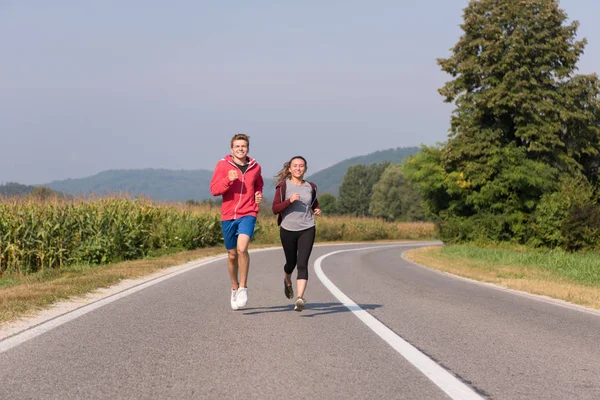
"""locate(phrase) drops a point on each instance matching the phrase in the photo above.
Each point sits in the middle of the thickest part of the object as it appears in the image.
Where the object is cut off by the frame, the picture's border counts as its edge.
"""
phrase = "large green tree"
(356, 188)
(394, 198)
(523, 120)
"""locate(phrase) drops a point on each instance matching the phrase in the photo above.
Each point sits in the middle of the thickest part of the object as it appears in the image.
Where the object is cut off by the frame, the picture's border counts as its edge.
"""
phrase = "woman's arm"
(315, 204)
(278, 204)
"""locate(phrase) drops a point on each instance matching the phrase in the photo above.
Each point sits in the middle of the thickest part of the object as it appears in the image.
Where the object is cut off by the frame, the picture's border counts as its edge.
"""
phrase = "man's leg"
(243, 259)
(230, 239)
(245, 231)
(232, 265)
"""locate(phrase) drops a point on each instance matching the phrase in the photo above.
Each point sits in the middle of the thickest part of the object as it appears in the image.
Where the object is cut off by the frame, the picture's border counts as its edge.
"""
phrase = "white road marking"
(452, 386)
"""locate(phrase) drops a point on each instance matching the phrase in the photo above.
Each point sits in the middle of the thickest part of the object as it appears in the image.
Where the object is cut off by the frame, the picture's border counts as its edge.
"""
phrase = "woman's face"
(297, 168)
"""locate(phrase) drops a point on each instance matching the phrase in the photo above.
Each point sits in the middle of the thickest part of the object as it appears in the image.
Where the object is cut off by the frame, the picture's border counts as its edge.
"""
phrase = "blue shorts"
(234, 227)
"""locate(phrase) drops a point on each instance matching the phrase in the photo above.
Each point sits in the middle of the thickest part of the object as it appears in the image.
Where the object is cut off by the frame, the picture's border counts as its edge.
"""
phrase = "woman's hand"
(294, 197)
(317, 211)
(258, 197)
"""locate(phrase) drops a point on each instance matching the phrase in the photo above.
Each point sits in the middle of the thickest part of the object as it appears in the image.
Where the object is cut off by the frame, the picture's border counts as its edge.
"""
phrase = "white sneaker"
(234, 305)
(299, 304)
(242, 297)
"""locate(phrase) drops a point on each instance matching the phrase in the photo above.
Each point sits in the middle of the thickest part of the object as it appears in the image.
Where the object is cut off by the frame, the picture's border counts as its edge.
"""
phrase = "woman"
(296, 203)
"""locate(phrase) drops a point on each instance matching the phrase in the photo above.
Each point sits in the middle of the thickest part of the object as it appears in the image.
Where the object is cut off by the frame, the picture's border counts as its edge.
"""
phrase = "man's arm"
(220, 182)
(259, 183)
(258, 187)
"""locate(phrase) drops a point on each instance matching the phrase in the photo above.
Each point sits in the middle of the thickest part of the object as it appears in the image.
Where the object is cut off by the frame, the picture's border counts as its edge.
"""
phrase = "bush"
(547, 220)
(581, 230)
(482, 228)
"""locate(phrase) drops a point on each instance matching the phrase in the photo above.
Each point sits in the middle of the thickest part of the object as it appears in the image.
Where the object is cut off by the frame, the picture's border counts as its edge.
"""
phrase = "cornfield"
(37, 234)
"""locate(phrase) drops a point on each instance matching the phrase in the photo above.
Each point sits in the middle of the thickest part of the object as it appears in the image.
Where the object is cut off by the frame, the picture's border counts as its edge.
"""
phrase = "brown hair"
(285, 173)
(240, 136)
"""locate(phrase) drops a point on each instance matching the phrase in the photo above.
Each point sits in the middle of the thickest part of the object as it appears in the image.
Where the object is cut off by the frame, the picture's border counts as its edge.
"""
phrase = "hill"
(183, 185)
(329, 179)
(15, 189)
(158, 184)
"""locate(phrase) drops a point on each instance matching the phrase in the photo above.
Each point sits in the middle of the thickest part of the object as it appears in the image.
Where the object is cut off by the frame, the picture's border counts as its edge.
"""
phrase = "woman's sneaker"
(234, 305)
(288, 290)
(299, 304)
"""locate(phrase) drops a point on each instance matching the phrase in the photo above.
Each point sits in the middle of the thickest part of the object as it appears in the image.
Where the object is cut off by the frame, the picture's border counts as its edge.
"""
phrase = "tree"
(356, 187)
(15, 189)
(425, 172)
(393, 198)
(523, 120)
(43, 193)
(328, 203)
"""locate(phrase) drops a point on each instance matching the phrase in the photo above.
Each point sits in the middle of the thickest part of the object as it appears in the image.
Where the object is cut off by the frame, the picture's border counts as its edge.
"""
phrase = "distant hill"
(328, 180)
(158, 184)
(15, 189)
(183, 185)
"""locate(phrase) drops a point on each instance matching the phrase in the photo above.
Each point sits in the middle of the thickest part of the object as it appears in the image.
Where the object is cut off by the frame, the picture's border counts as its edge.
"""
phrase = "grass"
(566, 276)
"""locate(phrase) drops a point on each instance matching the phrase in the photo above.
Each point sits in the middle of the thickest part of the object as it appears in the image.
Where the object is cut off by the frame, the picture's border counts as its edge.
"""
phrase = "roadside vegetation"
(515, 190)
(572, 277)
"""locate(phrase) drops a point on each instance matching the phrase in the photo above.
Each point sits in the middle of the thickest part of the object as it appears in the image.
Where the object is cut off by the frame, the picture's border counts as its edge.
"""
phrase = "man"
(238, 178)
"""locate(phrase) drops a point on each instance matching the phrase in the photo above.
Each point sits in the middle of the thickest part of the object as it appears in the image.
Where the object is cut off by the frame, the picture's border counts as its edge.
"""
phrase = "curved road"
(375, 326)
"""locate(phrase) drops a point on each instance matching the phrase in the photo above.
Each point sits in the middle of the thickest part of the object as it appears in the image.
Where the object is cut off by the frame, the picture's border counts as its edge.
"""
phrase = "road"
(375, 326)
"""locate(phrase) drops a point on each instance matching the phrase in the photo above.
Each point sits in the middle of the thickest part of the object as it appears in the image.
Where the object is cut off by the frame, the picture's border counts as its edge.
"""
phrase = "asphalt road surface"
(375, 327)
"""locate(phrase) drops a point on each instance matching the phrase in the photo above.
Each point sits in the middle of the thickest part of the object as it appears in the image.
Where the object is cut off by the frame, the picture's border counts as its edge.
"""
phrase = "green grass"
(577, 267)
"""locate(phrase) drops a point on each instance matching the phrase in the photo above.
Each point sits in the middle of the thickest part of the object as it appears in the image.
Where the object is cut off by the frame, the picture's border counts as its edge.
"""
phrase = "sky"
(89, 86)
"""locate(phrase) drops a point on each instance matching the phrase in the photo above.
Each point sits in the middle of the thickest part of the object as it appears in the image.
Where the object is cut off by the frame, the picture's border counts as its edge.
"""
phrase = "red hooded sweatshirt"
(238, 195)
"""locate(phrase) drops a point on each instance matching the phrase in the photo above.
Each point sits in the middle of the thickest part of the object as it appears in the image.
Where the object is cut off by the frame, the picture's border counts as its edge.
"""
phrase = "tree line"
(522, 162)
(376, 190)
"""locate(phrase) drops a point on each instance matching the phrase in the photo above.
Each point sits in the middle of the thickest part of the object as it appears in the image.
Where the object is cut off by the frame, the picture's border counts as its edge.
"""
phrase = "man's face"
(239, 149)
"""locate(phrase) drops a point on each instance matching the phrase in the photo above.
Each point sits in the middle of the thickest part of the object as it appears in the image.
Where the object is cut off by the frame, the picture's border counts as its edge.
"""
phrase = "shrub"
(581, 230)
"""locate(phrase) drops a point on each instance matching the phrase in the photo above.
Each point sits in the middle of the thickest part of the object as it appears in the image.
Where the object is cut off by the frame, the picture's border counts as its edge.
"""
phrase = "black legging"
(297, 246)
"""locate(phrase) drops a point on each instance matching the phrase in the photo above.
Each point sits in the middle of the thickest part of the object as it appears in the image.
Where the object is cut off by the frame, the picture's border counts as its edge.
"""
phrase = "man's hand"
(232, 175)
(294, 197)
(317, 211)
(258, 197)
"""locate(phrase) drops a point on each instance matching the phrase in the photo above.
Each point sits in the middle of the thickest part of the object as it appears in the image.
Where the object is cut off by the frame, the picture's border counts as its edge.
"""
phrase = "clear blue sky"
(87, 86)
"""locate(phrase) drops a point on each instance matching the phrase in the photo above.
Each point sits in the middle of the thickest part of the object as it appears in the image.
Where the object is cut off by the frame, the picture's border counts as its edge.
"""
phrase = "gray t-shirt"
(299, 215)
